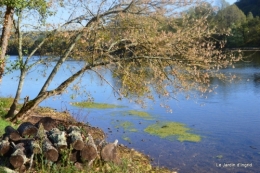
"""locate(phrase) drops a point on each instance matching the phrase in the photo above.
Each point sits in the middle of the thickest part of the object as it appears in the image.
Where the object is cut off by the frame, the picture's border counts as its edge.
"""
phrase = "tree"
(39, 6)
(249, 16)
(11, 6)
(222, 4)
(245, 34)
(5, 36)
(230, 16)
(144, 43)
(249, 6)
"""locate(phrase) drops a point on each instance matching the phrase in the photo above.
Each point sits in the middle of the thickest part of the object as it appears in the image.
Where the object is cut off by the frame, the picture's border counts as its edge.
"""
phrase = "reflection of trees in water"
(257, 77)
(247, 77)
(251, 57)
(257, 80)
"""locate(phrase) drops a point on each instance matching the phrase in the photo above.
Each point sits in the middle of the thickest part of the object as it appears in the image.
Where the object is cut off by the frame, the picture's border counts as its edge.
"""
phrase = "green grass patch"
(6, 101)
(173, 129)
(92, 105)
(3, 124)
(5, 104)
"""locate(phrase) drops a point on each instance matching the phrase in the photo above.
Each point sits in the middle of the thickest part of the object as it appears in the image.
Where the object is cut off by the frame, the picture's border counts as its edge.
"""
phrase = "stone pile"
(47, 138)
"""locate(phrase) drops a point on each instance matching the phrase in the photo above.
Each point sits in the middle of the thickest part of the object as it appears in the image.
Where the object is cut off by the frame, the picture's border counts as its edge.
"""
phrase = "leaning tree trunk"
(7, 27)
(23, 69)
(17, 96)
(27, 108)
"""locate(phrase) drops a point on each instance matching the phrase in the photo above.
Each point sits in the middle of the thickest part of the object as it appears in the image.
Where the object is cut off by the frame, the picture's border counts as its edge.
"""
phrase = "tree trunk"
(17, 96)
(109, 152)
(75, 137)
(58, 138)
(47, 122)
(7, 27)
(27, 129)
(23, 70)
(49, 151)
(74, 156)
(18, 158)
(25, 110)
(88, 153)
(4, 146)
(12, 134)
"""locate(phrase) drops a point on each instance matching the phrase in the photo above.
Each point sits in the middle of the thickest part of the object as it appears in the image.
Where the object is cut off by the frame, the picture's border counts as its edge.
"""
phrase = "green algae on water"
(219, 156)
(141, 114)
(127, 139)
(128, 126)
(92, 105)
(173, 129)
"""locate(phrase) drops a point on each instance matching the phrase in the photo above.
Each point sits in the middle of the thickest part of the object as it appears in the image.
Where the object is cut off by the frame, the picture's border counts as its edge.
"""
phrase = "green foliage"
(249, 16)
(245, 35)
(41, 5)
(249, 6)
(229, 17)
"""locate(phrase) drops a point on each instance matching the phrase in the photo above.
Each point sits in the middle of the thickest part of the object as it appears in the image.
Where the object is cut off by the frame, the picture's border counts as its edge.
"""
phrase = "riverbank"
(131, 160)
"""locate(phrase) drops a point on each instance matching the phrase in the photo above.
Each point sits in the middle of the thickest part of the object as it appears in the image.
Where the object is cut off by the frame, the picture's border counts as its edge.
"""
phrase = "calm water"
(228, 119)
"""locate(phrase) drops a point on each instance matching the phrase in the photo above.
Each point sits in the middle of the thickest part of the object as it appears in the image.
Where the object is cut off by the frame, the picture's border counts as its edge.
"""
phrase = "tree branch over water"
(147, 47)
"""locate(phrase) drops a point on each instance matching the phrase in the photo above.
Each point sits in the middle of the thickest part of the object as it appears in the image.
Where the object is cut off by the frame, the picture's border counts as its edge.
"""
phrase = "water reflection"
(228, 119)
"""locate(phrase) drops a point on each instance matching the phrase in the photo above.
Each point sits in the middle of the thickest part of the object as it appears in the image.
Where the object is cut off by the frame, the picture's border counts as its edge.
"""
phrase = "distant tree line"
(248, 6)
(241, 19)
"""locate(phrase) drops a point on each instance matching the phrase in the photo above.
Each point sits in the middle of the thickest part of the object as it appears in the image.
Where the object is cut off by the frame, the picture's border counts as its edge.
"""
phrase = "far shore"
(243, 49)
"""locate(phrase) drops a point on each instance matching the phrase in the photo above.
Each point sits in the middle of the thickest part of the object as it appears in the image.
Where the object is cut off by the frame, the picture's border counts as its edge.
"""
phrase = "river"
(228, 119)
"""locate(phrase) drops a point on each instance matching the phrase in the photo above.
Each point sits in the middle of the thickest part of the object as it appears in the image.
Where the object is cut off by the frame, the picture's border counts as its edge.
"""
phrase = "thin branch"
(101, 76)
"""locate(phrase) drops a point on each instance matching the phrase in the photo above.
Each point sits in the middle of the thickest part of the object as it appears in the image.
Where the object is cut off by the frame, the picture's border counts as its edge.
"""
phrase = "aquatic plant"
(92, 105)
(127, 126)
(141, 114)
(172, 130)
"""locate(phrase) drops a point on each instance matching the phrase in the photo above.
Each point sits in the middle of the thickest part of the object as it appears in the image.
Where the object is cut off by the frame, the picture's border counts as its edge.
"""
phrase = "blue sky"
(63, 15)
(231, 1)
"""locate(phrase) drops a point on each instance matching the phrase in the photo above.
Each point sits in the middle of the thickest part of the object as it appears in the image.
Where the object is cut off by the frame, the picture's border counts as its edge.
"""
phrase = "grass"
(173, 129)
(5, 104)
(130, 161)
(92, 105)
(3, 124)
